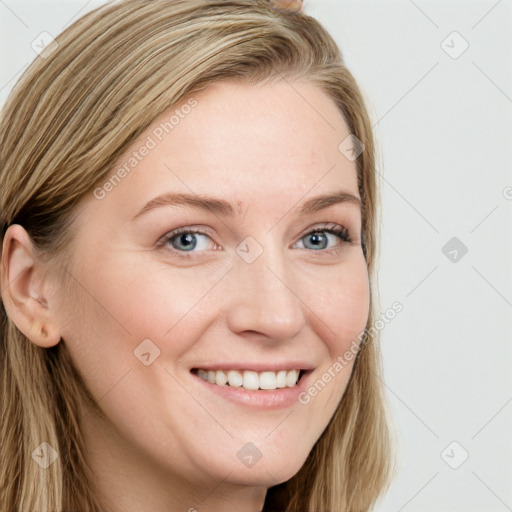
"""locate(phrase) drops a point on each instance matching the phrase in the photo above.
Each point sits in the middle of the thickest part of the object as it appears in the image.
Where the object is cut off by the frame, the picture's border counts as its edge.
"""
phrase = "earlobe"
(43, 332)
(24, 289)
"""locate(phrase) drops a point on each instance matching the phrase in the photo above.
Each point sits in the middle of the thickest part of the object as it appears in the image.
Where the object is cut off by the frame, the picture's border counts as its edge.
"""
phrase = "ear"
(25, 289)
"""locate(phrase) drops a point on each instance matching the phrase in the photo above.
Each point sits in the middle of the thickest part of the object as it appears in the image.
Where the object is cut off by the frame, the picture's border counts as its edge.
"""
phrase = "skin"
(166, 442)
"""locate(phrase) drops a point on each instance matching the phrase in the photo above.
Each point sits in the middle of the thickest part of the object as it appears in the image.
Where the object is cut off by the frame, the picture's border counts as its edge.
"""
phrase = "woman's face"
(263, 288)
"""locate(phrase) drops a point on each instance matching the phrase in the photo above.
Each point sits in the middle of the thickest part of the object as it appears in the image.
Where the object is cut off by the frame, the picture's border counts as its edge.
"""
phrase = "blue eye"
(319, 238)
(186, 241)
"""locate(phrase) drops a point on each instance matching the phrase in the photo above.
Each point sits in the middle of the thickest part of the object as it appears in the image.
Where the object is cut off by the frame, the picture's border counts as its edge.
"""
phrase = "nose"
(265, 298)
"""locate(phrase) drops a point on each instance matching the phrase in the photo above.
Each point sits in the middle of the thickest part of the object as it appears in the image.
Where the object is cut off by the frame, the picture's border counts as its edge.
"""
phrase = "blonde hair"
(68, 119)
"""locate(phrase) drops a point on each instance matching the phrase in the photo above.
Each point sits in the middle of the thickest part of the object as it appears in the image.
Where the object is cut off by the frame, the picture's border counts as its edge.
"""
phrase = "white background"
(444, 127)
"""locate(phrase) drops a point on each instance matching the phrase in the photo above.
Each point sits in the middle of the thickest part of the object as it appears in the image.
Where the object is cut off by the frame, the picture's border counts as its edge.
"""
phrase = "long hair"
(72, 114)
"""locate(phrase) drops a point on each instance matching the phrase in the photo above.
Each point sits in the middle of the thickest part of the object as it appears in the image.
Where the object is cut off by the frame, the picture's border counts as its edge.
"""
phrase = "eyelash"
(340, 231)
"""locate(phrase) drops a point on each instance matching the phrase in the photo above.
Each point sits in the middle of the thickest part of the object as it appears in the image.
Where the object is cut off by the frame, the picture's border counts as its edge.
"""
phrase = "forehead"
(252, 142)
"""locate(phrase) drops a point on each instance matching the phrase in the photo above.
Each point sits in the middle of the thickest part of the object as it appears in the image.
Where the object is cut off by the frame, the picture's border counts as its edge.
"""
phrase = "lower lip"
(260, 399)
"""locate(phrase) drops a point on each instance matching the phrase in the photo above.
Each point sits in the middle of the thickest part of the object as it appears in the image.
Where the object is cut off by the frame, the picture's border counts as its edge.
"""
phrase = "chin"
(263, 467)
(264, 476)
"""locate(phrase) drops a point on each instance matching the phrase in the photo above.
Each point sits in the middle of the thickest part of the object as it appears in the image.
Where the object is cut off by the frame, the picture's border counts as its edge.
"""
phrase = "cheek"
(342, 307)
(136, 300)
(120, 303)
(338, 316)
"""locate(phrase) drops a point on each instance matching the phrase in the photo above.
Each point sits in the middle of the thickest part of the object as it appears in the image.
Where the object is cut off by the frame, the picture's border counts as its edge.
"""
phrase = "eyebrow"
(224, 208)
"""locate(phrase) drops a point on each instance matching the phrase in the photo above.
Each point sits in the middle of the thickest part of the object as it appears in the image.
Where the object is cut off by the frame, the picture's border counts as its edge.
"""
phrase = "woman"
(188, 218)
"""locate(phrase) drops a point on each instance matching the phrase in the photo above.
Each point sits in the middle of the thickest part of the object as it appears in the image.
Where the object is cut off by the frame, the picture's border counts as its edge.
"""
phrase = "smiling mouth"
(251, 380)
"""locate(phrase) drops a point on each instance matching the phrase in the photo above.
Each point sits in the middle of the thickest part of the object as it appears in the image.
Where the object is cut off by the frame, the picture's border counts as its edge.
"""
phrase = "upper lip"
(257, 367)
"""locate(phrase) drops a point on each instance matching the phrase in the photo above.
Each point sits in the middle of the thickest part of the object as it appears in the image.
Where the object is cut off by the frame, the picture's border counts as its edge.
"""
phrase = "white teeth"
(251, 380)
(235, 378)
(220, 378)
(281, 379)
(291, 378)
(268, 380)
